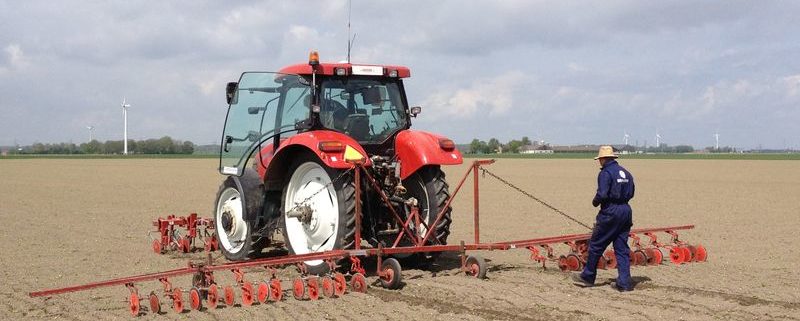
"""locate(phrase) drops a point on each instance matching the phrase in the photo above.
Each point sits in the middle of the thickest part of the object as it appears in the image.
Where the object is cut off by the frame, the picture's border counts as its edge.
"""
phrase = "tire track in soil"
(743, 300)
(452, 307)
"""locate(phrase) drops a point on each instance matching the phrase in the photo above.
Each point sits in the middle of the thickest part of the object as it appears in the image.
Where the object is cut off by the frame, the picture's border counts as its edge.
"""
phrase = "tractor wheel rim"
(230, 220)
(318, 234)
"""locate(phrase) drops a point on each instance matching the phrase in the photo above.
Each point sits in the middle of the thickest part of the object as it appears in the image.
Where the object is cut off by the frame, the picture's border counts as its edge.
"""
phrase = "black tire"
(429, 187)
(394, 280)
(252, 206)
(344, 237)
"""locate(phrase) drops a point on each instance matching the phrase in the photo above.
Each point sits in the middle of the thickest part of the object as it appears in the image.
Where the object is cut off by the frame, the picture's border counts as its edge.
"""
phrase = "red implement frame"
(682, 252)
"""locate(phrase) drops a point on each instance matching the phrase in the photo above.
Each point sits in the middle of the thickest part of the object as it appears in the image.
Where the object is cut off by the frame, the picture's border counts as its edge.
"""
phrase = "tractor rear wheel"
(318, 212)
(429, 187)
(235, 232)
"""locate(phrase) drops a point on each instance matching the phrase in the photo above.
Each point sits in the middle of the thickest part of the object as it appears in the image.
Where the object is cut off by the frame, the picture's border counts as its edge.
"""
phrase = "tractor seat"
(357, 126)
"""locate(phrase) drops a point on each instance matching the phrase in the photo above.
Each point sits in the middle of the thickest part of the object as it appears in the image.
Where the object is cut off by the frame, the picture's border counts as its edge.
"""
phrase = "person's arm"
(603, 185)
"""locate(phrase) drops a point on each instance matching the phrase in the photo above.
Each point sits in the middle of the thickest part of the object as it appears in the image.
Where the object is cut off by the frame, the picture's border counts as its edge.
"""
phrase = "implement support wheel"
(230, 297)
(247, 294)
(573, 262)
(298, 289)
(390, 274)
(276, 292)
(676, 255)
(700, 254)
(654, 256)
(155, 303)
(133, 304)
(313, 288)
(611, 257)
(212, 296)
(359, 283)
(687, 254)
(157, 246)
(177, 300)
(327, 287)
(639, 257)
(339, 284)
(195, 300)
(263, 291)
(475, 266)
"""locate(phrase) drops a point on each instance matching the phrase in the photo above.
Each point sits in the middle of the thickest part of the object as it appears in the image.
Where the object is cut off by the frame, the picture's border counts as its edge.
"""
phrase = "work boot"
(578, 280)
(620, 289)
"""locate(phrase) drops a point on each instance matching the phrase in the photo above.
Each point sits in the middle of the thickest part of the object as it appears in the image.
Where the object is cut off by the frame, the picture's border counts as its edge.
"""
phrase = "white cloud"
(15, 56)
(484, 96)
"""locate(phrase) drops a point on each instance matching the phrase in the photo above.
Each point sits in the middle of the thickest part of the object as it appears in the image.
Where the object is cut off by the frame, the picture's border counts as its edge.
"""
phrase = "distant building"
(535, 149)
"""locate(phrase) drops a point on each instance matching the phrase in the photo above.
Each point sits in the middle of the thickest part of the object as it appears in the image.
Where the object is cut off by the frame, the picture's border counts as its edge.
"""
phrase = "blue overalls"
(614, 189)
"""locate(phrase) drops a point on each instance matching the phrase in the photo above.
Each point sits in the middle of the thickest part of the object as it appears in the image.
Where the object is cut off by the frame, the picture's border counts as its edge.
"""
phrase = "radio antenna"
(352, 40)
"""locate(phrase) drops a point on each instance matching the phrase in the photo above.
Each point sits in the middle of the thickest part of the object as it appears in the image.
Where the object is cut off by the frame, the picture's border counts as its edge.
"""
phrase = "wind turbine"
(91, 133)
(626, 138)
(658, 140)
(125, 131)
(716, 138)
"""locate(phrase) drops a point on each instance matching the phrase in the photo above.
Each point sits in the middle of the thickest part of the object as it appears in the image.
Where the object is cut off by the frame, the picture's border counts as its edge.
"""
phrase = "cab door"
(252, 119)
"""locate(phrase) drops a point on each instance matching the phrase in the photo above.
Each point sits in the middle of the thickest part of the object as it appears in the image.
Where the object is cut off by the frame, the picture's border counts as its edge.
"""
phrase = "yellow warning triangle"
(351, 154)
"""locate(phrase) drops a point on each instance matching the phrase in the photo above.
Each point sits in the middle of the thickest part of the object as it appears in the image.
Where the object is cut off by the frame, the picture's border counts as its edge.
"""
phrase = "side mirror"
(230, 92)
(415, 111)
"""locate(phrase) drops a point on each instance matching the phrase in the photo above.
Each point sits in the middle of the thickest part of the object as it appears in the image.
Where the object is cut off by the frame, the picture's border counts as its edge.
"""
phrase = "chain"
(325, 187)
(485, 171)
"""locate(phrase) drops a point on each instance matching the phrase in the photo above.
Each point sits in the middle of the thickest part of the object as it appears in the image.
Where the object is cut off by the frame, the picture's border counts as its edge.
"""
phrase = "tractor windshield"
(264, 106)
(368, 109)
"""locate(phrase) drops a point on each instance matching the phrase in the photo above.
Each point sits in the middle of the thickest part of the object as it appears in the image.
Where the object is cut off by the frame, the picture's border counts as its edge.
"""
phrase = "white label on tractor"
(230, 170)
(454, 156)
(368, 70)
(333, 158)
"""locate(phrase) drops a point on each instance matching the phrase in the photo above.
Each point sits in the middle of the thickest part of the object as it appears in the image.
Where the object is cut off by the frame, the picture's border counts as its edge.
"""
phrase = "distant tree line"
(494, 146)
(163, 145)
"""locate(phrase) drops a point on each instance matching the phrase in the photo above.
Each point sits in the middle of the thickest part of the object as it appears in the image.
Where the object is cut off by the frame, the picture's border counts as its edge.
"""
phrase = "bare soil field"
(65, 222)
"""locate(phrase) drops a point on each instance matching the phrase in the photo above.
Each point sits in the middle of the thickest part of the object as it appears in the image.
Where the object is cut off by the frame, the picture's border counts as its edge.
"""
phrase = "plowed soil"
(65, 222)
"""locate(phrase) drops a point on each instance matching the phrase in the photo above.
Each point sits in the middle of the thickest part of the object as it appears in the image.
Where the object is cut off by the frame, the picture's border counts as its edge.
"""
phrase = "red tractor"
(302, 128)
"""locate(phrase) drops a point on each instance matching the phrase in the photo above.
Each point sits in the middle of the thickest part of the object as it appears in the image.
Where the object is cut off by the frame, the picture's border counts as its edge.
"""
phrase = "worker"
(614, 220)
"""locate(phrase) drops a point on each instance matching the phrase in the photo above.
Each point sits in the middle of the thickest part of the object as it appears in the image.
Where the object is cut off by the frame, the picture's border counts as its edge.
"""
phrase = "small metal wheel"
(247, 294)
(195, 300)
(185, 244)
(339, 284)
(298, 288)
(639, 257)
(573, 262)
(133, 304)
(676, 255)
(359, 283)
(327, 287)
(212, 296)
(177, 300)
(391, 274)
(230, 296)
(700, 254)
(155, 303)
(654, 256)
(276, 292)
(475, 266)
(313, 288)
(562, 263)
(263, 291)
(157, 246)
(688, 253)
(611, 257)
(601, 263)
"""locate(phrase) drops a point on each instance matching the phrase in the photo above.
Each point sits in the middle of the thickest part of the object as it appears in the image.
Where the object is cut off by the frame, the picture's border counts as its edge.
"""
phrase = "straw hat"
(606, 151)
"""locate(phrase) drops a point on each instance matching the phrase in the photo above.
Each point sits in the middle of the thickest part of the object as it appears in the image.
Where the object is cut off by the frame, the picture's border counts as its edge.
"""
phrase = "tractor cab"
(364, 102)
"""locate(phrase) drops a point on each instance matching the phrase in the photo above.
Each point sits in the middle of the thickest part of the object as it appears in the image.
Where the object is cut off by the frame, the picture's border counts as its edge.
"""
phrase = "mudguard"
(419, 148)
(275, 164)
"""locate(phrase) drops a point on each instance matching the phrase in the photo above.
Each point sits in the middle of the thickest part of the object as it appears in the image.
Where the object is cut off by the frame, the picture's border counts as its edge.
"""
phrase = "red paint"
(329, 69)
(310, 141)
(418, 148)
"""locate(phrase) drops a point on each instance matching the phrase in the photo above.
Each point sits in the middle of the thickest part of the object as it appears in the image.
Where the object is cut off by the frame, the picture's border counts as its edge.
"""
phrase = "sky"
(566, 72)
